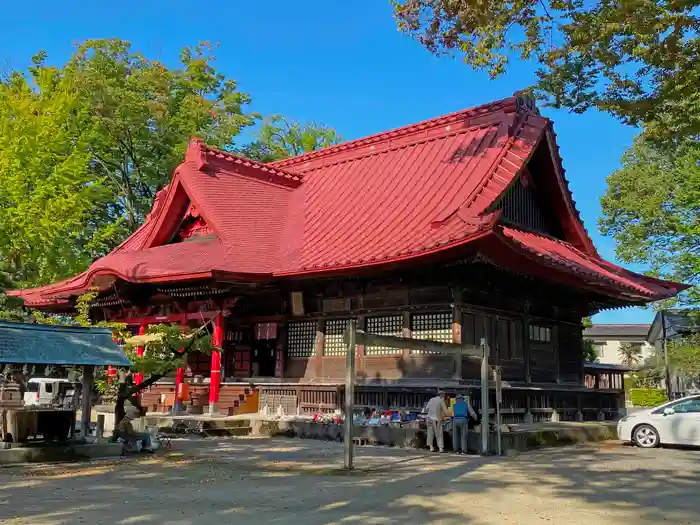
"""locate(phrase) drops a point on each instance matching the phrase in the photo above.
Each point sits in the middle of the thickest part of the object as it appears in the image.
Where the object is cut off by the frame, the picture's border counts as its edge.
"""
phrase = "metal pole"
(497, 380)
(667, 365)
(349, 445)
(485, 397)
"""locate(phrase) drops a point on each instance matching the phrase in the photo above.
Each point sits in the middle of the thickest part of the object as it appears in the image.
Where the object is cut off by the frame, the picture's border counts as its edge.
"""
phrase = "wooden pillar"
(318, 349)
(406, 333)
(86, 406)
(279, 349)
(138, 377)
(457, 339)
(215, 374)
(360, 349)
(526, 348)
(555, 344)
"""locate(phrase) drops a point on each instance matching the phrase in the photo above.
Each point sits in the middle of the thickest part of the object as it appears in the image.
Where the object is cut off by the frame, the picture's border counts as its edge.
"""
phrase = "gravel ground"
(282, 481)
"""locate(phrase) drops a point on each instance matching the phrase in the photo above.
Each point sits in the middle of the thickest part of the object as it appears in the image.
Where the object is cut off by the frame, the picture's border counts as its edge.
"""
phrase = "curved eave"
(571, 274)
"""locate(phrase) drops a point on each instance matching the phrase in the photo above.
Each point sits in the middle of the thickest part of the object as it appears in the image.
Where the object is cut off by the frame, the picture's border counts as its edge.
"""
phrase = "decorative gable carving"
(193, 226)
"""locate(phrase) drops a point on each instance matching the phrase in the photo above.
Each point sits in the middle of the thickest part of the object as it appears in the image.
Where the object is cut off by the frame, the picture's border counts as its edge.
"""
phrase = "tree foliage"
(684, 355)
(144, 114)
(637, 60)
(278, 138)
(84, 148)
(630, 354)
(47, 192)
(589, 352)
(652, 209)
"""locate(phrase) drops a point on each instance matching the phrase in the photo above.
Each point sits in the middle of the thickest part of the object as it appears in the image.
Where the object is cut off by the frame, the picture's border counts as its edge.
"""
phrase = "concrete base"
(514, 438)
(70, 452)
(212, 426)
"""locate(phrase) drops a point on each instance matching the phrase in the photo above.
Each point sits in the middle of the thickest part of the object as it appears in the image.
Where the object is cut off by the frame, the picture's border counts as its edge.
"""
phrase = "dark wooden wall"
(534, 331)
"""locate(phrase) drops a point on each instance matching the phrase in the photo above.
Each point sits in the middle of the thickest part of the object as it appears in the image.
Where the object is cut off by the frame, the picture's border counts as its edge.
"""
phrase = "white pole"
(485, 397)
(349, 445)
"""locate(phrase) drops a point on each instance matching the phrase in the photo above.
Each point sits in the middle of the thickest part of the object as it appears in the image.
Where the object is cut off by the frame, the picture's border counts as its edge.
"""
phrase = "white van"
(47, 390)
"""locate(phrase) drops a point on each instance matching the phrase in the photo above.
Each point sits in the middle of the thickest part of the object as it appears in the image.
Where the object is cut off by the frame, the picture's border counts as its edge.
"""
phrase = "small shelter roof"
(59, 345)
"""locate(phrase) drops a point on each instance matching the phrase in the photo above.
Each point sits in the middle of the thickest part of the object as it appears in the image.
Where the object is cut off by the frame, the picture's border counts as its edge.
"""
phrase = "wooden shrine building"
(453, 229)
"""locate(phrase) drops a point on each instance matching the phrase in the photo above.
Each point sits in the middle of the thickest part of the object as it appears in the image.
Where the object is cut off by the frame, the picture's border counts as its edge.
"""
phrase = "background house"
(667, 326)
(609, 338)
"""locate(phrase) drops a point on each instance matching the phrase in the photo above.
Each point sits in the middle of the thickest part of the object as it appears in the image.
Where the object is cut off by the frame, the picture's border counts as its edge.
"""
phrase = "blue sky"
(340, 63)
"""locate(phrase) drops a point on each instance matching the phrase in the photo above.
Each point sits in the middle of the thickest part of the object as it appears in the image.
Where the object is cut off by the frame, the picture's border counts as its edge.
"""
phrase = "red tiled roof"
(594, 271)
(387, 198)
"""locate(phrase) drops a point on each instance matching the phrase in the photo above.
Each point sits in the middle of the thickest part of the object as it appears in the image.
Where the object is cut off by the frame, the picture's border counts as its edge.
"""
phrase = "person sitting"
(125, 431)
(461, 412)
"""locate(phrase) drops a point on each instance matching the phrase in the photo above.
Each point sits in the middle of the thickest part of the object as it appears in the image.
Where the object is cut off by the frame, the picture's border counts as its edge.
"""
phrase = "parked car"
(674, 423)
(48, 391)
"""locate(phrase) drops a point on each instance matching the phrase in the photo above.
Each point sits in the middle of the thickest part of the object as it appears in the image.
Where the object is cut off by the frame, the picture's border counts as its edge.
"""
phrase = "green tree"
(630, 354)
(636, 60)
(652, 209)
(48, 192)
(684, 355)
(165, 348)
(144, 114)
(84, 147)
(589, 352)
(277, 138)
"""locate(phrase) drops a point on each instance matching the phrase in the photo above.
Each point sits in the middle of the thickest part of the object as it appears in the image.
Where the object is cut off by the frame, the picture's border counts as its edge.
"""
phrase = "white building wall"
(609, 350)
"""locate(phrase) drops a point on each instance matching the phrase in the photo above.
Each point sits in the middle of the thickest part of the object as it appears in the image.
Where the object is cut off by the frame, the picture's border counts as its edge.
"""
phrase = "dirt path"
(294, 481)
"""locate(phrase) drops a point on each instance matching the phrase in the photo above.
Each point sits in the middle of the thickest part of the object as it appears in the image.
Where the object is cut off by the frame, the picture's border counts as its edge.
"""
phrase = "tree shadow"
(297, 481)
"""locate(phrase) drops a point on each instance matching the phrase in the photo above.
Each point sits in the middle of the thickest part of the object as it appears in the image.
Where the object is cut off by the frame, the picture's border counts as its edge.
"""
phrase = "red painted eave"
(592, 272)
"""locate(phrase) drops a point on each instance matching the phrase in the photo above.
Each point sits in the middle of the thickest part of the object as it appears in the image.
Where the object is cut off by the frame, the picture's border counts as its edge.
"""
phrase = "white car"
(674, 423)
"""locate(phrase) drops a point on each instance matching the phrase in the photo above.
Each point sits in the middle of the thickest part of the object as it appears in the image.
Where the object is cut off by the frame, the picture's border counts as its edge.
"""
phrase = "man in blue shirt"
(461, 412)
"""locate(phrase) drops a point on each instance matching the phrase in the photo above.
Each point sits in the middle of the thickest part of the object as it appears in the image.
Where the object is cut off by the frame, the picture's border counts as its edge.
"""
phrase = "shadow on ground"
(298, 481)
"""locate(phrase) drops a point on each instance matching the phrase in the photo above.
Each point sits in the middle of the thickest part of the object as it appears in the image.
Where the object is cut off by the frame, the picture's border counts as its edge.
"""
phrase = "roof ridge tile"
(507, 105)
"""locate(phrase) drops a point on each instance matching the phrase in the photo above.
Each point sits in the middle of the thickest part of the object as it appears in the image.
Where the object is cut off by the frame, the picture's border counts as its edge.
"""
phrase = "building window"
(432, 327)
(334, 342)
(385, 325)
(599, 349)
(302, 339)
(540, 334)
(198, 364)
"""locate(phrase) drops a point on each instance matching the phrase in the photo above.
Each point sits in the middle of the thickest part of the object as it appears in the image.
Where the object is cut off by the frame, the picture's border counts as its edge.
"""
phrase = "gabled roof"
(58, 345)
(610, 331)
(671, 324)
(425, 189)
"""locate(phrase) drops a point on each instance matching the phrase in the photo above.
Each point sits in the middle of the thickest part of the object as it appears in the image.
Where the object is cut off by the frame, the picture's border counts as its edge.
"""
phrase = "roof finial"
(195, 153)
(525, 102)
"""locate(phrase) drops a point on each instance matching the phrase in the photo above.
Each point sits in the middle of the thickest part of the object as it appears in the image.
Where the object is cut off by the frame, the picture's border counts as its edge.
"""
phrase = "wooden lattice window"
(432, 327)
(334, 342)
(301, 339)
(198, 364)
(385, 325)
(541, 334)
